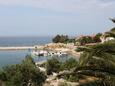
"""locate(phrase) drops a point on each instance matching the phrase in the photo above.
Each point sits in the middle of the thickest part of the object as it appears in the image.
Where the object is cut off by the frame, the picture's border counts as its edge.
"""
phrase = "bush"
(97, 37)
(85, 39)
(23, 74)
(69, 64)
(60, 39)
(53, 65)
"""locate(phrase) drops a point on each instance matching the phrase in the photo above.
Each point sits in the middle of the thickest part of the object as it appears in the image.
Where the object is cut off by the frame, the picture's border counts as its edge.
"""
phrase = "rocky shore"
(67, 48)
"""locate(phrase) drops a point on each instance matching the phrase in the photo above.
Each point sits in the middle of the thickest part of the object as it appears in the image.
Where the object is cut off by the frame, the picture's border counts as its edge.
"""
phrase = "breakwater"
(17, 48)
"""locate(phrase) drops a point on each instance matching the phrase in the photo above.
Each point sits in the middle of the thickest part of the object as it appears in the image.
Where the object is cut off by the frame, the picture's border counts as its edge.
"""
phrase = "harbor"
(51, 49)
(48, 53)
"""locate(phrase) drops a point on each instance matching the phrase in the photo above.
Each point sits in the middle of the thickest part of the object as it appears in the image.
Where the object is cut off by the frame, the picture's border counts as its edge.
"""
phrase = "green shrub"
(60, 39)
(53, 65)
(22, 74)
(69, 64)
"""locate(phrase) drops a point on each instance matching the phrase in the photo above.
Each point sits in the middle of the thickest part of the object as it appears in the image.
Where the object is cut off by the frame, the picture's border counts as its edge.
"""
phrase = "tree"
(98, 61)
(110, 33)
(113, 29)
(69, 64)
(24, 74)
(85, 39)
(60, 39)
(53, 65)
(97, 37)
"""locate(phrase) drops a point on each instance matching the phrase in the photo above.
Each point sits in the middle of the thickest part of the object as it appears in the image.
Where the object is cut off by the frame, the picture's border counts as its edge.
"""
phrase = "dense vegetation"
(60, 39)
(110, 33)
(24, 74)
(82, 40)
(54, 65)
(63, 39)
(88, 39)
(98, 61)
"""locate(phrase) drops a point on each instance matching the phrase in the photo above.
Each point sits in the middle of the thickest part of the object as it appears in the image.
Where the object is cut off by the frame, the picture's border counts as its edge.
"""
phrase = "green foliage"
(85, 39)
(60, 39)
(94, 83)
(28, 59)
(69, 64)
(96, 61)
(71, 78)
(113, 29)
(53, 65)
(90, 39)
(99, 61)
(97, 38)
(23, 74)
(110, 33)
(71, 40)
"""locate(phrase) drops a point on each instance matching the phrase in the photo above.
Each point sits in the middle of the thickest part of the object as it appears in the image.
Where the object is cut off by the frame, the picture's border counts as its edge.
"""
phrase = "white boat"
(39, 53)
(34, 53)
(48, 53)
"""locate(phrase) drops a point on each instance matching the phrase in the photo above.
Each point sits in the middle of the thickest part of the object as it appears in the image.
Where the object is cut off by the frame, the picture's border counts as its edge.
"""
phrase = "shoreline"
(69, 49)
(17, 48)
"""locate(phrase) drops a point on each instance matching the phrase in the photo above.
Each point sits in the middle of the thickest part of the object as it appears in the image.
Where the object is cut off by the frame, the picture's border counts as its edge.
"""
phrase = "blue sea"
(24, 41)
(16, 56)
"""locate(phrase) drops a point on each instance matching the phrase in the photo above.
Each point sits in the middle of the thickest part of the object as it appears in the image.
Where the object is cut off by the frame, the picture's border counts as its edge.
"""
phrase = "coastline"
(69, 49)
(17, 48)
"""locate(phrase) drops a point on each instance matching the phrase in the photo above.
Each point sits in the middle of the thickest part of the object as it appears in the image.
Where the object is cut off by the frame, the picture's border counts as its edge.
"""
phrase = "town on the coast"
(92, 62)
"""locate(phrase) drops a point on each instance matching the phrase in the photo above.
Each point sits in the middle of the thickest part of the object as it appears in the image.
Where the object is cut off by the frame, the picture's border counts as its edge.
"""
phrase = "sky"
(51, 17)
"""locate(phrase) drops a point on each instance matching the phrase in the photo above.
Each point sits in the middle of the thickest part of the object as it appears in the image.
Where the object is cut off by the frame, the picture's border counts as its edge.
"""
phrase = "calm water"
(12, 57)
(24, 41)
(16, 56)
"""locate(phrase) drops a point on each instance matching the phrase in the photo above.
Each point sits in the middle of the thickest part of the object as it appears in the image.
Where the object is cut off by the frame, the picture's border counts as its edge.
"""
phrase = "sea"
(9, 57)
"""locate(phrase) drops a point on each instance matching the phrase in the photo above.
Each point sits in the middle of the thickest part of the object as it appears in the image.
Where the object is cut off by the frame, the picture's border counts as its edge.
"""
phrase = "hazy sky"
(51, 17)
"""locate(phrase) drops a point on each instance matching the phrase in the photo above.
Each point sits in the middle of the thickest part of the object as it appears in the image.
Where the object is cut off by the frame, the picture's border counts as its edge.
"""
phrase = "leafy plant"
(22, 74)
